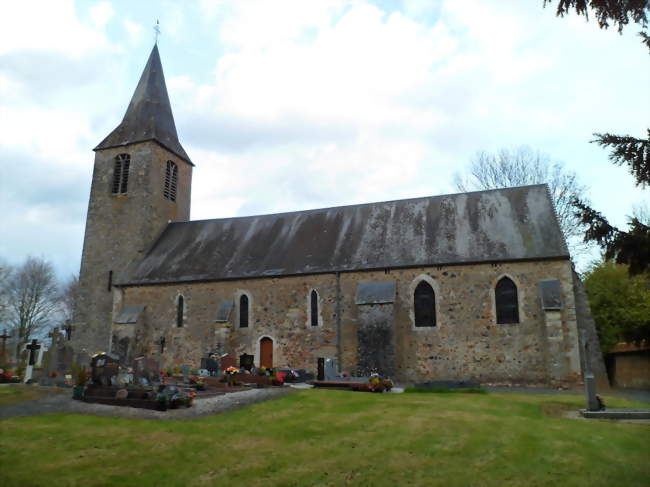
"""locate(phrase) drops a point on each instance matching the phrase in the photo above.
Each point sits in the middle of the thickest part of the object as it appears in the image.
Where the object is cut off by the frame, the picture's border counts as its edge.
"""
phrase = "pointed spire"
(149, 115)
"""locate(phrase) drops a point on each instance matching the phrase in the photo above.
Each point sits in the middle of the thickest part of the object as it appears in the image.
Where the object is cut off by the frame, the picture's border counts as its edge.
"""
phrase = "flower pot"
(78, 392)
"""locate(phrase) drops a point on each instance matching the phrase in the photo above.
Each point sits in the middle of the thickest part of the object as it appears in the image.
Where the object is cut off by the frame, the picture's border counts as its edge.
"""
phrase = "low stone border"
(63, 403)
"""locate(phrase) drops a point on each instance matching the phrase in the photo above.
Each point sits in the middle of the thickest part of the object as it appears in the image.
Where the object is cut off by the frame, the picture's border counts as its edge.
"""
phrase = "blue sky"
(288, 105)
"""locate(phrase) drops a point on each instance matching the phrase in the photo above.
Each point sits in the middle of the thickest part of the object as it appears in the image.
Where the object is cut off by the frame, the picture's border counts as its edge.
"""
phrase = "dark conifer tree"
(631, 247)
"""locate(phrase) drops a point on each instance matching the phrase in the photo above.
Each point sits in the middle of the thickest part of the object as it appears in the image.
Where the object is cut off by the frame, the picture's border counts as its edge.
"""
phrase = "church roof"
(484, 226)
(149, 115)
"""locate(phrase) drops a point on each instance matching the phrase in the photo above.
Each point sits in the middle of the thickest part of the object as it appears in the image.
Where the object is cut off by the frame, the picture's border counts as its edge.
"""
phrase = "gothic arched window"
(121, 173)
(180, 309)
(507, 303)
(424, 305)
(243, 311)
(313, 301)
(171, 181)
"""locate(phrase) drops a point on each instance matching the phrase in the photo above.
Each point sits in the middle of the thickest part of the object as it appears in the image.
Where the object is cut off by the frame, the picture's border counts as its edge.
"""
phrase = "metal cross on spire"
(156, 29)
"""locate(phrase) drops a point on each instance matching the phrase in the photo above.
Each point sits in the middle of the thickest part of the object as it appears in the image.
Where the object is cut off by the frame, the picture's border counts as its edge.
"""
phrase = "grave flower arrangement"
(230, 374)
(378, 384)
(277, 379)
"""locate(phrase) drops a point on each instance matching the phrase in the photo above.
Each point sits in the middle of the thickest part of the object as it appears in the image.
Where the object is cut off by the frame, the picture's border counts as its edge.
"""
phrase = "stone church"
(464, 286)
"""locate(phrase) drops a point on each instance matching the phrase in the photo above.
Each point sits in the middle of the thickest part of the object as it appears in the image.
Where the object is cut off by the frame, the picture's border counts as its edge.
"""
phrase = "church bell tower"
(141, 181)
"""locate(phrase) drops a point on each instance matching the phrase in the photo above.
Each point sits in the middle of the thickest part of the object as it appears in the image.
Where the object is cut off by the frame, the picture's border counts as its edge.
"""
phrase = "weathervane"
(156, 29)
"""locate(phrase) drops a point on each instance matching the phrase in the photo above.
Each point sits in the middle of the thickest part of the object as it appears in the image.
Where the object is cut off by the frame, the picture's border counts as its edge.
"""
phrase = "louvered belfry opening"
(121, 173)
(506, 300)
(424, 304)
(171, 181)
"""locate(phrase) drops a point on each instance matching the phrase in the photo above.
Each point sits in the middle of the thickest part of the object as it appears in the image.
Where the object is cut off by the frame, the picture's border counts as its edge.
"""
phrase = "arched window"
(424, 305)
(243, 311)
(313, 301)
(171, 181)
(179, 312)
(121, 173)
(505, 298)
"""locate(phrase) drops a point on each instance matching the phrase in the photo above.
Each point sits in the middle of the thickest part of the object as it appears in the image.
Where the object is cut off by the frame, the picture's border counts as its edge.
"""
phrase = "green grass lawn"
(318, 437)
(13, 393)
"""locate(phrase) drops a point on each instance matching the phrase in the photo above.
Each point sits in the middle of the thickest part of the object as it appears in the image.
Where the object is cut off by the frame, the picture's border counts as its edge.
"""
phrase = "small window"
(243, 311)
(313, 299)
(121, 173)
(507, 303)
(110, 281)
(180, 309)
(171, 181)
(424, 305)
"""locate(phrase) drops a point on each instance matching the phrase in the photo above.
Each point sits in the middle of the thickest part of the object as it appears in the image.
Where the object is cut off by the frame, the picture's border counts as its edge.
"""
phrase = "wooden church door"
(266, 352)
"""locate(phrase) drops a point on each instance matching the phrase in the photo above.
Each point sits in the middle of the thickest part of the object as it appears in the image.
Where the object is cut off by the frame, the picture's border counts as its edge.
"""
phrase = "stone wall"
(120, 229)
(466, 343)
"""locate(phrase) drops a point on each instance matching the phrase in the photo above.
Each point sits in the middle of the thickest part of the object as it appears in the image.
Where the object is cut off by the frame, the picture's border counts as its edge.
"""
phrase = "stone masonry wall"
(466, 343)
(120, 229)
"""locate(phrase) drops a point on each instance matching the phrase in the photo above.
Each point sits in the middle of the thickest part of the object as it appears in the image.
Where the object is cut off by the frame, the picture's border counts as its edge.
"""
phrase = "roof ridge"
(327, 208)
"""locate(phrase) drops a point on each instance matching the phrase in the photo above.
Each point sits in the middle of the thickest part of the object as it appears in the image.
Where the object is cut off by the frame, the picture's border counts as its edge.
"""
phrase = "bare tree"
(32, 298)
(522, 166)
(5, 273)
(69, 297)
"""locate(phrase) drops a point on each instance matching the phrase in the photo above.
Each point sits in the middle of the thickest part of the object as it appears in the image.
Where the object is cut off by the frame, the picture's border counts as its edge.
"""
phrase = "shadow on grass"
(445, 390)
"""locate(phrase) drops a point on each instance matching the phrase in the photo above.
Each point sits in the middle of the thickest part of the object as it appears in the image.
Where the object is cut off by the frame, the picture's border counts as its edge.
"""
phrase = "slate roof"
(484, 226)
(149, 114)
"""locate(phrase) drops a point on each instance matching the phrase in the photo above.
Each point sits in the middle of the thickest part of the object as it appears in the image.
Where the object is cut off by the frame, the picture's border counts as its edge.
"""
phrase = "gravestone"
(320, 375)
(138, 369)
(33, 348)
(185, 370)
(227, 361)
(246, 361)
(331, 369)
(64, 357)
(152, 368)
(105, 367)
(211, 364)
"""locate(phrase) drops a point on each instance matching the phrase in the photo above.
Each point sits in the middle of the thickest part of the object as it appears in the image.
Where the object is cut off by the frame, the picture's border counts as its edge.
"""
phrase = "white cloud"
(101, 13)
(55, 27)
(309, 104)
(133, 30)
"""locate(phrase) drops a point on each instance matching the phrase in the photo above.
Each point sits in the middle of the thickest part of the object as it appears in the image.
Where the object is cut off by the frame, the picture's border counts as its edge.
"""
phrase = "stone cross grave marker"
(4, 338)
(68, 329)
(33, 348)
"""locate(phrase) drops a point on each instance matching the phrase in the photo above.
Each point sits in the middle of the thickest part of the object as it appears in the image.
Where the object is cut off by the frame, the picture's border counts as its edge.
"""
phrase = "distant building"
(628, 365)
(464, 286)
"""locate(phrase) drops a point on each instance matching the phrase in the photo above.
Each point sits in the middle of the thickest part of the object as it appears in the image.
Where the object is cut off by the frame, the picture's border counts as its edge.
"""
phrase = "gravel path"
(63, 403)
